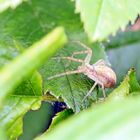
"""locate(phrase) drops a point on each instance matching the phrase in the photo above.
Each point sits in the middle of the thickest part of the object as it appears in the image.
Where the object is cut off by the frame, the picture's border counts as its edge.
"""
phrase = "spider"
(99, 72)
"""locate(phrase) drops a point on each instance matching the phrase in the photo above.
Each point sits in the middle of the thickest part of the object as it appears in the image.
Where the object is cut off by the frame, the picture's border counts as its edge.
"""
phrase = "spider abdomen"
(103, 75)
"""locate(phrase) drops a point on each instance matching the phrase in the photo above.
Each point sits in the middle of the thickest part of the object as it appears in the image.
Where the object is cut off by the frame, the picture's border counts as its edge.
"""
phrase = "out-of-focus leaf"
(5, 4)
(31, 21)
(112, 120)
(13, 73)
(2, 133)
(128, 86)
(13, 111)
(29, 94)
(123, 39)
(18, 103)
(30, 86)
(102, 18)
(134, 85)
(61, 116)
(38, 18)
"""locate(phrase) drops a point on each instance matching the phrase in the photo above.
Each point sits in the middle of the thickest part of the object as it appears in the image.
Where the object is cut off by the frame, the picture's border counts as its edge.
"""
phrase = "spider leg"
(101, 62)
(76, 53)
(79, 52)
(70, 58)
(103, 90)
(65, 73)
(89, 51)
(90, 91)
(81, 44)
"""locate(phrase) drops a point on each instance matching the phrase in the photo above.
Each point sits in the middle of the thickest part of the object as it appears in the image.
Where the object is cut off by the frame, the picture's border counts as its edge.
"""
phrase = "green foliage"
(102, 18)
(127, 87)
(13, 111)
(26, 64)
(4, 4)
(123, 39)
(31, 86)
(2, 133)
(41, 24)
(29, 94)
(25, 97)
(22, 67)
(61, 116)
(101, 121)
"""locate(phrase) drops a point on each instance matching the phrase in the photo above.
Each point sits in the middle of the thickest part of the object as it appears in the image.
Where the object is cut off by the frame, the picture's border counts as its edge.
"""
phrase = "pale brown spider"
(99, 72)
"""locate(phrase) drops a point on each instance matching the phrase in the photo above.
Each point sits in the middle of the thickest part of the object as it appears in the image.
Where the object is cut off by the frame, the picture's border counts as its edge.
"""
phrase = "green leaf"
(38, 18)
(2, 133)
(27, 96)
(102, 18)
(14, 109)
(122, 91)
(112, 120)
(123, 39)
(134, 85)
(72, 88)
(30, 86)
(25, 64)
(5, 4)
(34, 26)
(61, 116)
(127, 87)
